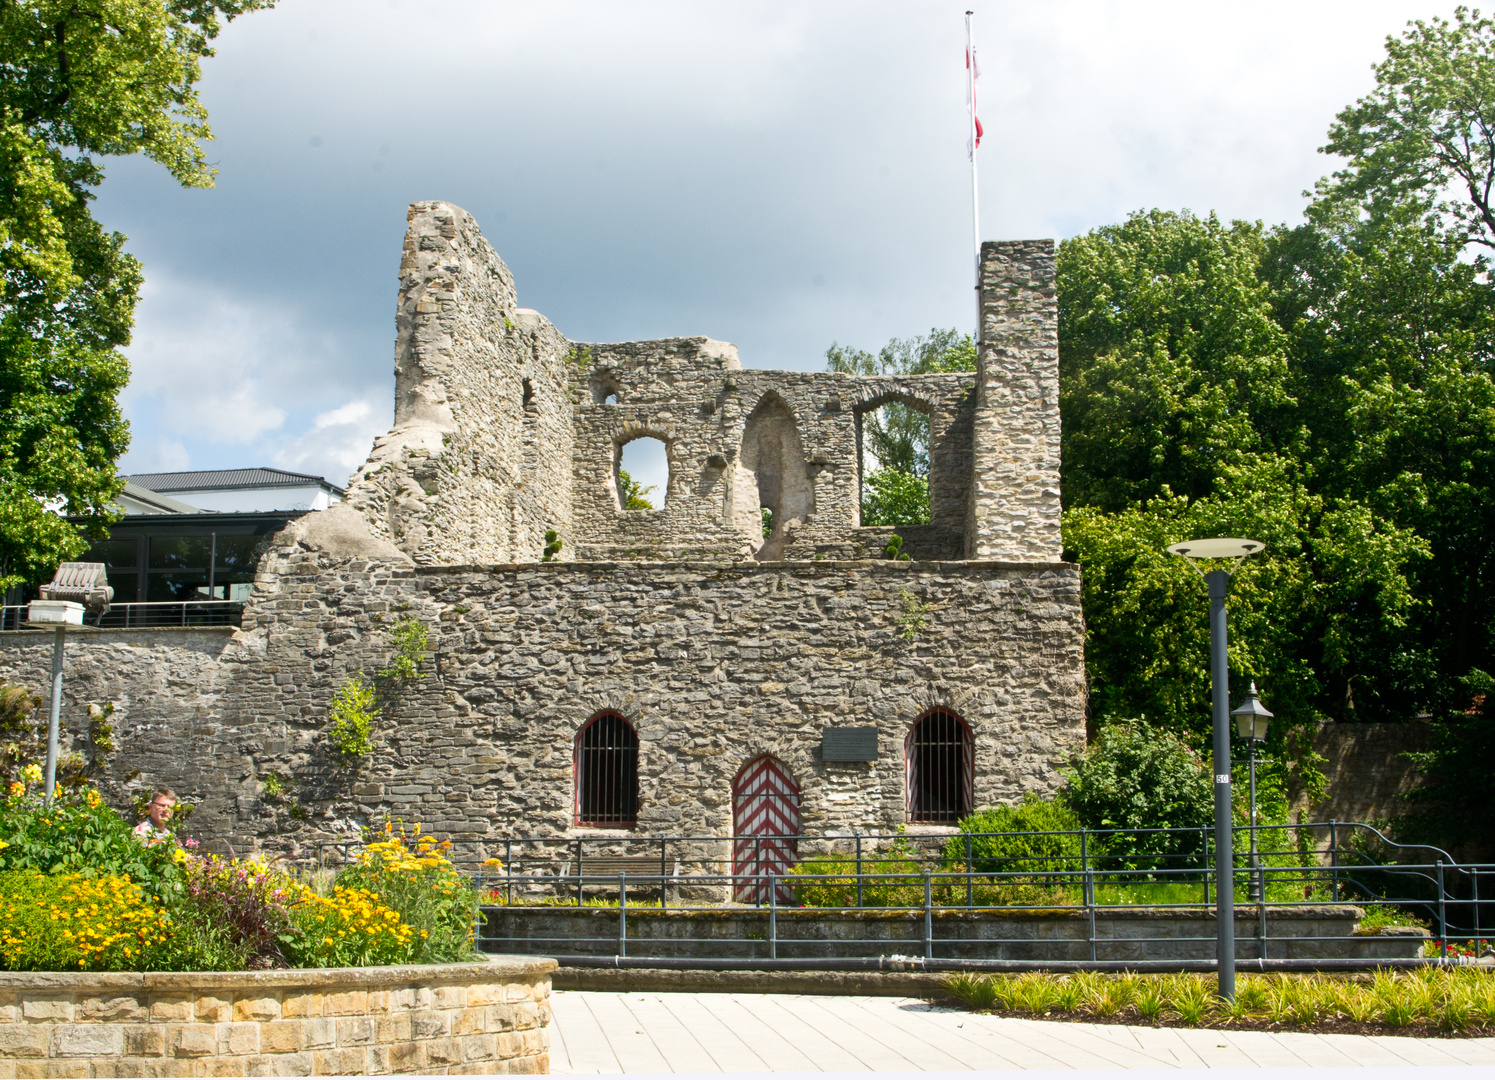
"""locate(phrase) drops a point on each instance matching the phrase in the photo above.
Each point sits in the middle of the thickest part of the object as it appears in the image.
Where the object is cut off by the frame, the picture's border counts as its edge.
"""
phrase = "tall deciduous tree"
(79, 82)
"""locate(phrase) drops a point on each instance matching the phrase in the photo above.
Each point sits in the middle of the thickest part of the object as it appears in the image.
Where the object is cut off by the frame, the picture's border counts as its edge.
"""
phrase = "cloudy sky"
(779, 175)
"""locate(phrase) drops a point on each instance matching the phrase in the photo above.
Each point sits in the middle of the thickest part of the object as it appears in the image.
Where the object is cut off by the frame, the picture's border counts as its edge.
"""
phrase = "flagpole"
(971, 127)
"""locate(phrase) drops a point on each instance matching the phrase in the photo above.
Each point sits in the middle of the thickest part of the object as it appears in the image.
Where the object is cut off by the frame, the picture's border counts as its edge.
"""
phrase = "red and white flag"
(973, 73)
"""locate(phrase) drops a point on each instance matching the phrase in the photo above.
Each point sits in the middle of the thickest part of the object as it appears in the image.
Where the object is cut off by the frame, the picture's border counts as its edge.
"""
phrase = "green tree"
(894, 497)
(633, 492)
(1425, 137)
(897, 435)
(1390, 301)
(1181, 418)
(79, 82)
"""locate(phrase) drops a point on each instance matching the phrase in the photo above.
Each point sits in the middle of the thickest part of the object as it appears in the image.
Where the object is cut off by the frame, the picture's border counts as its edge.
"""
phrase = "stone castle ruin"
(669, 666)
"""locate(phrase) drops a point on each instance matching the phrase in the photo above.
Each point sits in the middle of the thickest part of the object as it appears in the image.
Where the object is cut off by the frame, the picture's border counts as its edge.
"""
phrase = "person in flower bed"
(80, 892)
(154, 829)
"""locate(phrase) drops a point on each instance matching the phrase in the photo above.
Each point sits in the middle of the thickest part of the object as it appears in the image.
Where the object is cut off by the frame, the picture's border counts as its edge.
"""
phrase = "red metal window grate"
(940, 761)
(607, 772)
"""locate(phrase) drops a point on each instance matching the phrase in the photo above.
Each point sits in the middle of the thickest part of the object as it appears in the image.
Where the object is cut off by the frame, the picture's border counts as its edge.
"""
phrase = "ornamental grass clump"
(1453, 1000)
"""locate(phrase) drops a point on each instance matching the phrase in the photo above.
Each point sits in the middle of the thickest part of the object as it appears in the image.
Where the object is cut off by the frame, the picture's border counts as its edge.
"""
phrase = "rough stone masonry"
(715, 643)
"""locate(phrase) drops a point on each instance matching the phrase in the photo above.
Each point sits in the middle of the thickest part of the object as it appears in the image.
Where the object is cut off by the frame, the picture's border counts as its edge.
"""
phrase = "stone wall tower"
(1014, 511)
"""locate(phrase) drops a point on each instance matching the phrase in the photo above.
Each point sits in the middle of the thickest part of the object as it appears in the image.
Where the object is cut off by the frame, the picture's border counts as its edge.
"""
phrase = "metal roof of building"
(167, 483)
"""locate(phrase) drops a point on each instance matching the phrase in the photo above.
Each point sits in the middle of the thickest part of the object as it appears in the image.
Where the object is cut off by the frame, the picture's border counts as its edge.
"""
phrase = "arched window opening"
(893, 462)
(772, 492)
(643, 474)
(939, 756)
(607, 773)
(605, 389)
(528, 395)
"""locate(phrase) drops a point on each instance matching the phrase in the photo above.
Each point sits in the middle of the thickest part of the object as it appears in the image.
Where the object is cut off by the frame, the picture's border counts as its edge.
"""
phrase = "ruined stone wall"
(477, 464)
(713, 664)
(503, 429)
(1014, 511)
(740, 439)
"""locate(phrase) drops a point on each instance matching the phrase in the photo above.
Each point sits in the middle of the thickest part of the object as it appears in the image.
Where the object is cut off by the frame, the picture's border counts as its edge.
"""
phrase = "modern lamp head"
(1221, 547)
(1251, 717)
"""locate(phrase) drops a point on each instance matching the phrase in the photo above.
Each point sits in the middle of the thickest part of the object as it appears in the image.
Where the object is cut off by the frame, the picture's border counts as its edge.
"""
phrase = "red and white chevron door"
(765, 802)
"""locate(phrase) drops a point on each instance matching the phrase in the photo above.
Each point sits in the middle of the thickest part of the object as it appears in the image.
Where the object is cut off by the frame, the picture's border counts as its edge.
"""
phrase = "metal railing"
(152, 614)
(1089, 898)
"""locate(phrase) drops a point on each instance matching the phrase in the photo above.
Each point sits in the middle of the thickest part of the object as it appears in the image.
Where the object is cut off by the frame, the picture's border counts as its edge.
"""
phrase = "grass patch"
(1449, 1001)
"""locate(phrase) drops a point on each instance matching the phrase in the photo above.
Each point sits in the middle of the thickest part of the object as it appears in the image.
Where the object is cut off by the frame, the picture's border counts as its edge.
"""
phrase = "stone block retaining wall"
(489, 1017)
(1305, 932)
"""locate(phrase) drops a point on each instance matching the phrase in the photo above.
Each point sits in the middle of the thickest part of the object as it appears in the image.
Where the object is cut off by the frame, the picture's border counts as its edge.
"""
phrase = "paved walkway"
(599, 1032)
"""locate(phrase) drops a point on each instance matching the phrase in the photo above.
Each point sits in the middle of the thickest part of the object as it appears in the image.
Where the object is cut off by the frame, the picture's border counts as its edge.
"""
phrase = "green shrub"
(1135, 777)
(353, 713)
(1027, 852)
(73, 922)
(410, 638)
(350, 928)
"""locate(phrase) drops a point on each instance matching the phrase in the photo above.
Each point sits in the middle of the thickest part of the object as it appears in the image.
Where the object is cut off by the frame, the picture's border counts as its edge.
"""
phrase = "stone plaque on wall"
(849, 744)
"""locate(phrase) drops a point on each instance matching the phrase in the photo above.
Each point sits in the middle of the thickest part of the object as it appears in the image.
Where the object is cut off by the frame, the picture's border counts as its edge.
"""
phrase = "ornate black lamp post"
(1251, 720)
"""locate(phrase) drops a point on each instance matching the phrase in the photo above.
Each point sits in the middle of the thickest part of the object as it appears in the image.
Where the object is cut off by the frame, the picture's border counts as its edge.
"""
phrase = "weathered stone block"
(295, 1006)
(145, 1040)
(355, 1031)
(192, 1040)
(111, 1007)
(340, 1062)
(240, 1038)
(211, 1009)
(172, 1007)
(87, 1040)
(318, 1032)
(346, 1004)
(25, 1041)
(280, 1037)
(40, 1009)
(256, 1008)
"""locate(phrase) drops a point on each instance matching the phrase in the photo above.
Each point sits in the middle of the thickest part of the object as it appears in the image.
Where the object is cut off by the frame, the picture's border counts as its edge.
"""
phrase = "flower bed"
(80, 892)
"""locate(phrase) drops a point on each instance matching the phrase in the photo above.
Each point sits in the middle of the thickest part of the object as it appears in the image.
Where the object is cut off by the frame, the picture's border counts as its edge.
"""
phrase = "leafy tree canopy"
(895, 490)
(77, 82)
(1424, 139)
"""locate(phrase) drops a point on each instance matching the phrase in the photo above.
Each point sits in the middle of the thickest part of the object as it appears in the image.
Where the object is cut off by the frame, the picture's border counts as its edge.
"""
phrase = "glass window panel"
(121, 553)
(238, 553)
(184, 552)
(126, 587)
(178, 586)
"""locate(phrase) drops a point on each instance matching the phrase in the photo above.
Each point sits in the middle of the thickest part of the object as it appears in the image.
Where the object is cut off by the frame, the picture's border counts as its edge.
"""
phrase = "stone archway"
(770, 475)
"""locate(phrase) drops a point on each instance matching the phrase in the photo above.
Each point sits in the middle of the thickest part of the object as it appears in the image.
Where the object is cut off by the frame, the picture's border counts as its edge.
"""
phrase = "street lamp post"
(1219, 585)
(74, 588)
(1251, 720)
